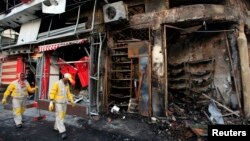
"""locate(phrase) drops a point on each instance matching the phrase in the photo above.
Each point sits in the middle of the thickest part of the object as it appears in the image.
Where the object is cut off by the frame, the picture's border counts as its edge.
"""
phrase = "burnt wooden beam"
(198, 12)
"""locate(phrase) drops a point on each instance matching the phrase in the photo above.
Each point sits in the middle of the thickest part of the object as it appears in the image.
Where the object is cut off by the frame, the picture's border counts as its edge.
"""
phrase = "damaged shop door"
(141, 50)
(130, 77)
(143, 86)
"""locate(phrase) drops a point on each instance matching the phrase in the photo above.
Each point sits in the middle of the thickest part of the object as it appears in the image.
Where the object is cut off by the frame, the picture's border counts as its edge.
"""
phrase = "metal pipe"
(89, 80)
(98, 73)
(60, 31)
(86, 51)
(51, 21)
(98, 69)
(39, 76)
(70, 62)
(7, 4)
(77, 21)
(232, 71)
(90, 62)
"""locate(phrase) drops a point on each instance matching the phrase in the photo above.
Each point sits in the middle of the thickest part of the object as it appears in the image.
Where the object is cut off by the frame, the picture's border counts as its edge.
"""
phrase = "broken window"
(63, 23)
(9, 4)
(8, 37)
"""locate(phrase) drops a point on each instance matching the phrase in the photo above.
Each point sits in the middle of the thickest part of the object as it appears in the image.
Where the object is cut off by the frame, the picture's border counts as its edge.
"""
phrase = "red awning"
(62, 44)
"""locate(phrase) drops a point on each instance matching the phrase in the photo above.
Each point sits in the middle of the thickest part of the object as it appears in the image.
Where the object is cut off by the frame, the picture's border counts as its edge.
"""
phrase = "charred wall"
(191, 49)
(155, 5)
(205, 60)
(142, 6)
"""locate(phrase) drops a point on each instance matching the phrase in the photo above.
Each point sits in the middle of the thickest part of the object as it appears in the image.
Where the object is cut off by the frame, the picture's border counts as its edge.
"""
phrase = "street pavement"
(99, 128)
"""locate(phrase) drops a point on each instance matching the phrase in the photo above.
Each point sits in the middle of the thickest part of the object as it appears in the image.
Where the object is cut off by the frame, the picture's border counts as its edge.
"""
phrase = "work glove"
(72, 103)
(3, 101)
(51, 106)
(35, 89)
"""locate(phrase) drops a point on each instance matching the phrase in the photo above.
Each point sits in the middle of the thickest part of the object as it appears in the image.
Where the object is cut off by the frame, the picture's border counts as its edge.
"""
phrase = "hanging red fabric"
(26, 1)
(67, 68)
(83, 71)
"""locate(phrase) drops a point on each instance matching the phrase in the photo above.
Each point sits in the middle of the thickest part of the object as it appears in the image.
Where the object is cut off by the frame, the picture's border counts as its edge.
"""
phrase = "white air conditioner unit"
(115, 11)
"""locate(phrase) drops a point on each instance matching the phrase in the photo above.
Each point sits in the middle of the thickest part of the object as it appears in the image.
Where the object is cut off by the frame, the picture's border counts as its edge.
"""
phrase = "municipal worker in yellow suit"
(59, 95)
(18, 89)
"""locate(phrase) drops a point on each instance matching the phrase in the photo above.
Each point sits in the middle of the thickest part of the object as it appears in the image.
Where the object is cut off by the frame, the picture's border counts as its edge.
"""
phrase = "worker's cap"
(69, 77)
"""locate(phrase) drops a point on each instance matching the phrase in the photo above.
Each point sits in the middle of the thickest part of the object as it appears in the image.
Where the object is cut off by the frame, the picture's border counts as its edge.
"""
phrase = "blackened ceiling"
(177, 3)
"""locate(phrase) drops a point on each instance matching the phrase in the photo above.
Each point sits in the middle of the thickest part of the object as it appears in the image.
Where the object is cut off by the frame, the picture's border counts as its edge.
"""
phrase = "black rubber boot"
(19, 126)
(63, 135)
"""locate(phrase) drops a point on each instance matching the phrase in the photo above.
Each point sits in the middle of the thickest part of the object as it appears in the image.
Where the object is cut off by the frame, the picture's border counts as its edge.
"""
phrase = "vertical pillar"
(164, 43)
(245, 70)
(45, 77)
(158, 87)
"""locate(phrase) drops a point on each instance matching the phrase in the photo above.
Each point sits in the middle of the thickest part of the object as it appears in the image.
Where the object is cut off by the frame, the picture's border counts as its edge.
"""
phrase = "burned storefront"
(65, 57)
(127, 78)
(78, 55)
(129, 74)
(201, 63)
(198, 59)
(175, 66)
(139, 56)
(63, 39)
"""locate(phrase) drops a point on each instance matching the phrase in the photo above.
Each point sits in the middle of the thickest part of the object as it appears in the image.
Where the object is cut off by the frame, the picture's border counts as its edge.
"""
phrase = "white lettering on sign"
(216, 132)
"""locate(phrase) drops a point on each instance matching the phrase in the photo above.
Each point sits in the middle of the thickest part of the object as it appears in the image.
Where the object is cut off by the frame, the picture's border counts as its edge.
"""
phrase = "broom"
(35, 104)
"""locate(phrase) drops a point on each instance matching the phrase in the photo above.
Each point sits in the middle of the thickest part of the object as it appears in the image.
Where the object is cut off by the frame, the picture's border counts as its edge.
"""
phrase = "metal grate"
(136, 9)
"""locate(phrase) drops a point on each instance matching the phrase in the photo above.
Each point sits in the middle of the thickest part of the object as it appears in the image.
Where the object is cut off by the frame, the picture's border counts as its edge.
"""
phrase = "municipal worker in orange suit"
(18, 89)
(59, 95)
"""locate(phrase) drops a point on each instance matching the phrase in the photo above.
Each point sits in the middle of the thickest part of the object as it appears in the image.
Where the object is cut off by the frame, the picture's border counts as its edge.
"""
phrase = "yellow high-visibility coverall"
(60, 94)
(19, 95)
